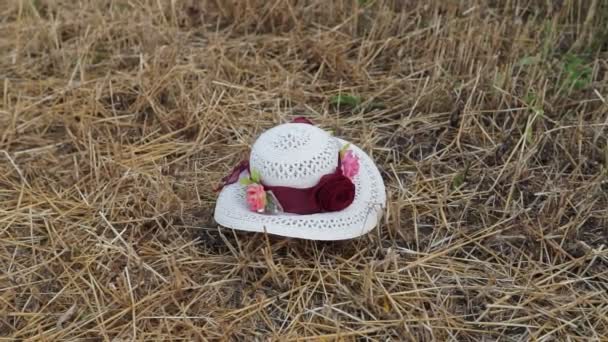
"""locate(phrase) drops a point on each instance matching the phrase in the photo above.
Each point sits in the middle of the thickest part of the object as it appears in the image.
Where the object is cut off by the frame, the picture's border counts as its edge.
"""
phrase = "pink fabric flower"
(256, 197)
(350, 164)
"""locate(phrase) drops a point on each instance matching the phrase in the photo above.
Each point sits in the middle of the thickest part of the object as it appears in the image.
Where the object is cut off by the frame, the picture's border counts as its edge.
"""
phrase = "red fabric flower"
(334, 192)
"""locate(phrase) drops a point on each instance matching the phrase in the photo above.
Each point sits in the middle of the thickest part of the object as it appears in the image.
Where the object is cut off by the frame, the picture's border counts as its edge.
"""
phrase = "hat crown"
(294, 155)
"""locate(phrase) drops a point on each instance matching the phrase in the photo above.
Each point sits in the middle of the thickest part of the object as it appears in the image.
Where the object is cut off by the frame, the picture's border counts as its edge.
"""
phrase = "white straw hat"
(292, 162)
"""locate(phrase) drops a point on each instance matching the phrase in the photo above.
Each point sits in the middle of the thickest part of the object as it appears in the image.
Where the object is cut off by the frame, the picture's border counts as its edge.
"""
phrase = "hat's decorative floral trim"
(334, 192)
(349, 162)
(258, 199)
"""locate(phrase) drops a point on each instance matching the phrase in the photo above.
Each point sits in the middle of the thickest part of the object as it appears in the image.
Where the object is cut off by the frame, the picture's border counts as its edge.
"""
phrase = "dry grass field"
(488, 120)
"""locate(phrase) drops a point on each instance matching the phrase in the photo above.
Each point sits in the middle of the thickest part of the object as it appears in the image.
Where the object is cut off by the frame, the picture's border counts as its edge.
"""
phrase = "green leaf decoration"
(343, 150)
(255, 176)
(245, 181)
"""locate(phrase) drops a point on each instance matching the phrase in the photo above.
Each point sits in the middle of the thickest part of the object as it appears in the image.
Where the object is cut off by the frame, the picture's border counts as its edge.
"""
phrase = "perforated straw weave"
(294, 155)
(298, 155)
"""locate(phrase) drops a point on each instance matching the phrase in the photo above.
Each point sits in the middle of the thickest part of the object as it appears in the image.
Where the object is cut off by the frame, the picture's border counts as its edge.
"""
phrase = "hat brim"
(357, 219)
